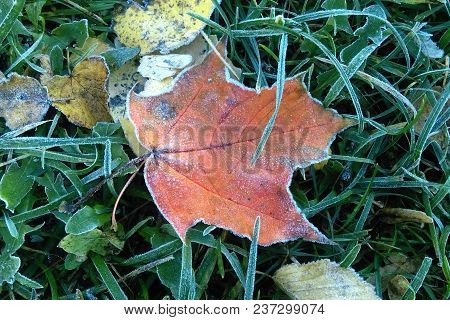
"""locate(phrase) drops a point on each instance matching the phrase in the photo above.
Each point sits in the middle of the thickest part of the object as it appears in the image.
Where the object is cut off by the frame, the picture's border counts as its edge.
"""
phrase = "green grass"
(383, 75)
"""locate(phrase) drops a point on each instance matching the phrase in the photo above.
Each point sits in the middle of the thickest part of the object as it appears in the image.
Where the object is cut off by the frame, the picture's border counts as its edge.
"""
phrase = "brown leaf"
(203, 132)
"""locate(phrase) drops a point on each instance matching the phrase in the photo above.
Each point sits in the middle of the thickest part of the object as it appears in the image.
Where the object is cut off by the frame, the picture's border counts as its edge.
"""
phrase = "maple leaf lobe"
(205, 130)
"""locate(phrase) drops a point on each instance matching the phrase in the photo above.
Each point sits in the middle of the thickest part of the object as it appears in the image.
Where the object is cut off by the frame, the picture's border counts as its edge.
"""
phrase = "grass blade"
(416, 283)
(11, 16)
(187, 287)
(249, 285)
(281, 77)
(107, 277)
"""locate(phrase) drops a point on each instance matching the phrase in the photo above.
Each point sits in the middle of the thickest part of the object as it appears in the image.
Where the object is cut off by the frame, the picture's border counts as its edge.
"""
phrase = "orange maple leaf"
(202, 133)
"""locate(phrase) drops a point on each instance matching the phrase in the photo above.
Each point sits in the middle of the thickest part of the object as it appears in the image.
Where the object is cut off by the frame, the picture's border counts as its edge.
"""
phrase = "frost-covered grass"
(384, 63)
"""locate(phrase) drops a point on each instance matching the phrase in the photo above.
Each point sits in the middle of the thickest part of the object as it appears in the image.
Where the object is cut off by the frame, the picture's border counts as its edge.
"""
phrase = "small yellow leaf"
(322, 280)
(23, 100)
(130, 135)
(399, 215)
(397, 287)
(164, 25)
(82, 96)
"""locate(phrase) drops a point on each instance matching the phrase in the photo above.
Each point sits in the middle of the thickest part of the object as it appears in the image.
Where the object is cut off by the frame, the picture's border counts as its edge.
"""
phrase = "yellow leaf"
(399, 215)
(130, 135)
(23, 100)
(322, 280)
(397, 287)
(164, 25)
(82, 96)
(121, 81)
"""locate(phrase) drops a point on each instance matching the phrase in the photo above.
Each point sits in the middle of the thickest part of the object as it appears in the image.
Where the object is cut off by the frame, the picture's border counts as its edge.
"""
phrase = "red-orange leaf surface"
(203, 133)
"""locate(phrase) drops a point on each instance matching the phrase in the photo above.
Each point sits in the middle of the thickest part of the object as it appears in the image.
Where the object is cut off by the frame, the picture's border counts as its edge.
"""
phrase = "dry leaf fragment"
(397, 287)
(399, 215)
(160, 67)
(395, 264)
(82, 96)
(203, 131)
(164, 25)
(322, 280)
(23, 100)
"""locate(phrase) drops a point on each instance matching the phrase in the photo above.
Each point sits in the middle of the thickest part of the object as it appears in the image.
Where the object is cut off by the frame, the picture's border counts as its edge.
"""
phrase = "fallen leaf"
(164, 25)
(323, 280)
(400, 215)
(82, 96)
(130, 135)
(397, 287)
(160, 67)
(95, 241)
(22, 101)
(121, 81)
(395, 264)
(203, 131)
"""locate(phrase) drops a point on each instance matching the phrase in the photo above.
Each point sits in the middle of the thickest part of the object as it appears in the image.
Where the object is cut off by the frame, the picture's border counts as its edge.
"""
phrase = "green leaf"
(86, 219)
(12, 244)
(169, 272)
(371, 30)
(93, 241)
(69, 33)
(56, 60)
(116, 151)
(34, 10)
(16, 183)
(54, 188)
(73, 262)
(339, 23)
(27, 282)
(118, 57)
(9, 266)
(10, 226)
(205, 271)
